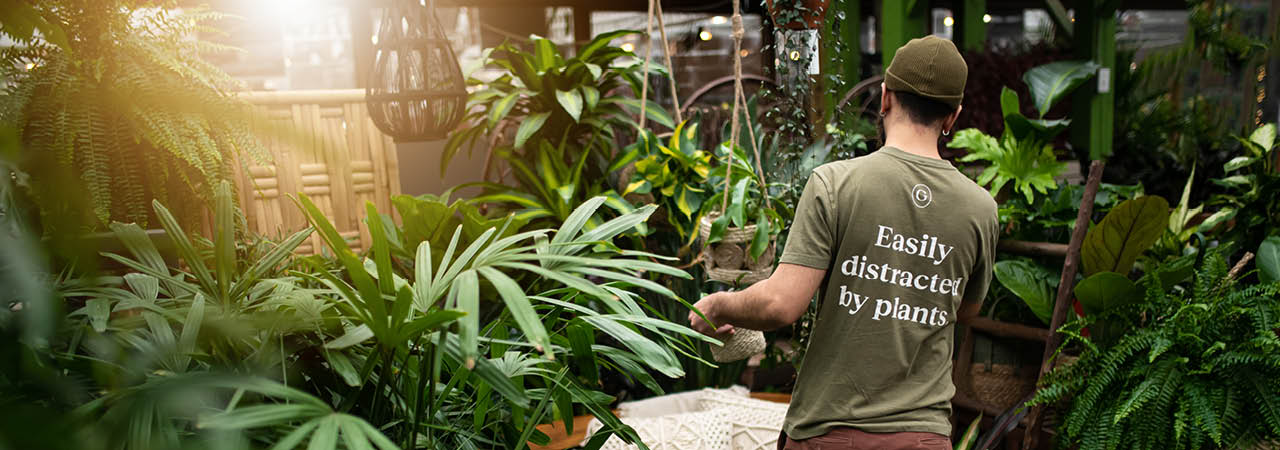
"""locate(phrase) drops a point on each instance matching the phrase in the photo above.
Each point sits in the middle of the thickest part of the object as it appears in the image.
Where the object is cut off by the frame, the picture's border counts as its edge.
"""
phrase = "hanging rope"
(740, 103)
(648, 56)
(655, 8)
(671, 70)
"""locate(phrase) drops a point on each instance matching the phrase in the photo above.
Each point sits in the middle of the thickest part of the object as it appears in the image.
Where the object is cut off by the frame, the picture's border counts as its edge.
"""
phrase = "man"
(902, 245)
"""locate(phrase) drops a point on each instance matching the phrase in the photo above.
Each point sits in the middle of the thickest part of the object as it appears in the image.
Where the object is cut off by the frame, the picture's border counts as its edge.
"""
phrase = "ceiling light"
(949, 21)
(628, 47)
(986, 18)
(795, 55)
(744, 53)
(705, 35)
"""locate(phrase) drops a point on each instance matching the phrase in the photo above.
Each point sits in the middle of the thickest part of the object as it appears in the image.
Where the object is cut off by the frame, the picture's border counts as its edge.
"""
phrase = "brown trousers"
(844, 438)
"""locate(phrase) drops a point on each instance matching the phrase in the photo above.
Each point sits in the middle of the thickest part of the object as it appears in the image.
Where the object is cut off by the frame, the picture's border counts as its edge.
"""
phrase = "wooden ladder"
(1051, 339)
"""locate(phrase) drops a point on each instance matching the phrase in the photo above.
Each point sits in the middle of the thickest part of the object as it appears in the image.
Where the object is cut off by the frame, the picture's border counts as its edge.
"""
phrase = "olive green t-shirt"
(904, 240)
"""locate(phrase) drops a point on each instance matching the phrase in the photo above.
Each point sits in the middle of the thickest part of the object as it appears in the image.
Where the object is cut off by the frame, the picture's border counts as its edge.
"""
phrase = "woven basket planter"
(728, 260)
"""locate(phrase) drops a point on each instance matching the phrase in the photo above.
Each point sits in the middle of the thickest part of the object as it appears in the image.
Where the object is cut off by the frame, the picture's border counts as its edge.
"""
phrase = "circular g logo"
(921, 196)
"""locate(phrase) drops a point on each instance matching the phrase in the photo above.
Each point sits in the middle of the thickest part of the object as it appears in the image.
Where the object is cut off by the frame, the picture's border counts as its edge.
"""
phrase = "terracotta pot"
(811, 18)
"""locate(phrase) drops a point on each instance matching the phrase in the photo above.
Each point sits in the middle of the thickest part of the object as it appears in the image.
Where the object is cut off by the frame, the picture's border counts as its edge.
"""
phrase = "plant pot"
(810, 18)
(728, 260)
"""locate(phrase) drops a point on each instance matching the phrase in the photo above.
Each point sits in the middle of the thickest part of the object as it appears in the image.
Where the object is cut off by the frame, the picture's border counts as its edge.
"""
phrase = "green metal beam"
(851, 35)
(1093, 107)
(1060, 17)
(901, 21)
(972, 28)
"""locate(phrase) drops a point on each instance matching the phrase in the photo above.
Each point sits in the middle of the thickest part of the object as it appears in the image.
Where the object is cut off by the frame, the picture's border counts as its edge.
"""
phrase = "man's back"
(901, 237)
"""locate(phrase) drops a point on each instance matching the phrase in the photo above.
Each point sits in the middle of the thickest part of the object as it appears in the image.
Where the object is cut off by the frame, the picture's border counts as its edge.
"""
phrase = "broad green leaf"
(339, 362)
(1124, 234)
(1103, 291)
(545, 55)
(1051, 82)
(499, 109)
(581, 339)
(658, 357)
(353, 336)
(1009, 103)
(1218, 218)
(738, 203)
(970, 436)
(1269, 260)
(1237, 163)
(466, 289)
(591, 96)
(601, 41)
(760, 242)
(520, 308)
(1030, 282)
(185, 248)
(571, 101)
(529, 126)
(1265, 137)
(654, 111)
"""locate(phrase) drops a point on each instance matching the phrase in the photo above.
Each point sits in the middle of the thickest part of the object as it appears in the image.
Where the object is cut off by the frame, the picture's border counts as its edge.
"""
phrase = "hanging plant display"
(797, 14)
(416, 91)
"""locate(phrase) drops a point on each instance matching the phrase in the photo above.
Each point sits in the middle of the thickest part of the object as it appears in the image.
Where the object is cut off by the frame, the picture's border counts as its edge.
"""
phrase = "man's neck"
(912, 139)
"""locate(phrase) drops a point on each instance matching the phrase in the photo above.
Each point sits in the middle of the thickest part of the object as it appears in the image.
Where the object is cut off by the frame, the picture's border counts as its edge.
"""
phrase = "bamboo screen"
(322, 144)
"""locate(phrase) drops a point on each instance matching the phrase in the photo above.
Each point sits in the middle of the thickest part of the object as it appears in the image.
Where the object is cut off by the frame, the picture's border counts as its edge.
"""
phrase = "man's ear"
(884, 100)
(950, 123)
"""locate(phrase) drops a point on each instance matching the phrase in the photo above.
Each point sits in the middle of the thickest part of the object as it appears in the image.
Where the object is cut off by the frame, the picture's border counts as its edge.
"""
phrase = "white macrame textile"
(754, 424)
(704, 430)
(681, 402)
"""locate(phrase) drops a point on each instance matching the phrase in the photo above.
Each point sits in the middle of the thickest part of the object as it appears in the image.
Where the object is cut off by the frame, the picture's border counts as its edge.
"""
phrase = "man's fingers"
(725, 329)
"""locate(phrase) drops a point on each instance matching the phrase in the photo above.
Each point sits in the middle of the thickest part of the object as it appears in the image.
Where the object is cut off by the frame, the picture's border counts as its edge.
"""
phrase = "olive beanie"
(930, 67)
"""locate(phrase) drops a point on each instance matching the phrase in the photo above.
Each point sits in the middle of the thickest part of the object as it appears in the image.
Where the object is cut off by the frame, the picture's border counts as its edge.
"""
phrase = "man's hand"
(708, 308)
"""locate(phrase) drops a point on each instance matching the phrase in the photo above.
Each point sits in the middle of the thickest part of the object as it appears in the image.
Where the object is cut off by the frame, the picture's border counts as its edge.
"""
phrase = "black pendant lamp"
(416, 91)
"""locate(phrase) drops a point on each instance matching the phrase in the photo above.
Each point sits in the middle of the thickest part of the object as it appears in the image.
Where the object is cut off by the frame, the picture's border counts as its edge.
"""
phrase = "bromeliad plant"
(1024, 153)
(1202, 370)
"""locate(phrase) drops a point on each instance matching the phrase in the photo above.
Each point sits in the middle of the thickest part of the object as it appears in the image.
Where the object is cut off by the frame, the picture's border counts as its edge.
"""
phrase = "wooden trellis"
(322, 144)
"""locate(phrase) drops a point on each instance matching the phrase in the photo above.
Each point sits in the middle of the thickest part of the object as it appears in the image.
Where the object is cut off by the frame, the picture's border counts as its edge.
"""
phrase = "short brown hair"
(921, 110)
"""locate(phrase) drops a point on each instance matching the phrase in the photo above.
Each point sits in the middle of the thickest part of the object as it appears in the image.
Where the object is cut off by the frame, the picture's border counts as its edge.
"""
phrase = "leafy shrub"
(1201, 370)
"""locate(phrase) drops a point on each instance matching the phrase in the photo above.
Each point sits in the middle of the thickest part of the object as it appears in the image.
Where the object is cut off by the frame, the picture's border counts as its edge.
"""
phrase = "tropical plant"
(675, 175)
(1024, 152)
(439, 389)
(122, 102)
(1200, 371)
(567, 114)
(1249, 209)
(749, 201)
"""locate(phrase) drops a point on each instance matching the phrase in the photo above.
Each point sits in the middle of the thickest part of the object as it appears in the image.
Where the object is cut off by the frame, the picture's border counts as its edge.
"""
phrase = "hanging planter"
(729, 260)
(416, 91)
(790, 17)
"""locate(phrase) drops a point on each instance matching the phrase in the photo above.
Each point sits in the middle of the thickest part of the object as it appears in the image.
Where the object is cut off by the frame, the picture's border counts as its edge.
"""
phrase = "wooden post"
(581, 26)
(1062, 304)
(972, 28)
(901, 21)
(1093, 109)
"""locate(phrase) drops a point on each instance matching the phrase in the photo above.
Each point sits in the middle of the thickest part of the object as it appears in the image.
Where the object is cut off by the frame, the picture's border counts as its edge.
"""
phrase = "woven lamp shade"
(416, 91)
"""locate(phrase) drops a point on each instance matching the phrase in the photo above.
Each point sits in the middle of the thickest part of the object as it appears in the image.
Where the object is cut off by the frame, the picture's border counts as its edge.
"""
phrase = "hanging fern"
(1202, 372)
(127, 105)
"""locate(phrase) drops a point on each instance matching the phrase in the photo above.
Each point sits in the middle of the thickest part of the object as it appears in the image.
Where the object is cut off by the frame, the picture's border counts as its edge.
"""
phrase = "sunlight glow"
(627, 46)
(949, 21)
(719, 20)
(705, 35)
(986, 18)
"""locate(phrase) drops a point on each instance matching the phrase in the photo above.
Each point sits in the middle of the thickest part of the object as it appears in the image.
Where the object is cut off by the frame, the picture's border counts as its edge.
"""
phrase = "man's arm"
(773, 303)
